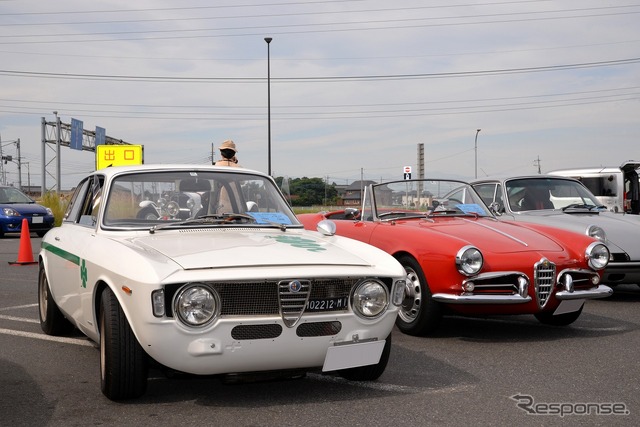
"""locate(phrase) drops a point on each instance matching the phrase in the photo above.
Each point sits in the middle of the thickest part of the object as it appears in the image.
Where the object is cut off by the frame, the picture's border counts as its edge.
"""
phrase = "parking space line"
(76, 341)
(15, 307)
(18, 319)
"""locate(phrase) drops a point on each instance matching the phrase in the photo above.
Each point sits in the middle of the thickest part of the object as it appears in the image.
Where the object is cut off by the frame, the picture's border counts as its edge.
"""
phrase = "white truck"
(617, 188)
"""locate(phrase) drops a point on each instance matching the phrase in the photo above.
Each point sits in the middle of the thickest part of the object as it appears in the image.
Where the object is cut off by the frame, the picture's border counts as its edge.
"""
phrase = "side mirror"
(351, 213)
(326, 227)
(496, 208)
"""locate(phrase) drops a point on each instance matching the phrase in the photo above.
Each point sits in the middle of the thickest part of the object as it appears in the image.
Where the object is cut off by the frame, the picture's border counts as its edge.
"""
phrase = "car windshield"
(529, 194)
(13, 195)
(422, 198)
(163, 199)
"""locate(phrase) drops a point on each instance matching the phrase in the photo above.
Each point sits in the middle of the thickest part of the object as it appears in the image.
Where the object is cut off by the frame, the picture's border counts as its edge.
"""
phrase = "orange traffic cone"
(25, 253)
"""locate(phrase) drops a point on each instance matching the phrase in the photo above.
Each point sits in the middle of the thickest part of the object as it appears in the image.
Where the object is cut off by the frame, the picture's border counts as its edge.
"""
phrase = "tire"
(147, 213)
(419, 315)
(369, 372)
(124, 365)
(564, 319)
(52, 321)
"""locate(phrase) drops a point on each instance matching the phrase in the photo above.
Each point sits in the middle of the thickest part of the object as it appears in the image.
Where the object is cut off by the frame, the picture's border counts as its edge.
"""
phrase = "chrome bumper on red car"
(512, 287)
(600, 291)
(469, 298)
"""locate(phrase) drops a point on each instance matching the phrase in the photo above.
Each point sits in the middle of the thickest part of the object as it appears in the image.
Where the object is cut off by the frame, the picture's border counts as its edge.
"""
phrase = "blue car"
(15, 206)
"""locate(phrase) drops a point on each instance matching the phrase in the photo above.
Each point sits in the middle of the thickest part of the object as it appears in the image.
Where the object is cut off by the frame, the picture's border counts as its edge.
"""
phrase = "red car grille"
(544, 273)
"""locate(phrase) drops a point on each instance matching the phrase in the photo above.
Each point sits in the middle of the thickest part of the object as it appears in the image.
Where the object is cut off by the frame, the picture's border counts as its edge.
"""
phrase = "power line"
(296, 14)
(173, 107)
(364, 25)
(336, 115)
(173, 79)
(173, 9)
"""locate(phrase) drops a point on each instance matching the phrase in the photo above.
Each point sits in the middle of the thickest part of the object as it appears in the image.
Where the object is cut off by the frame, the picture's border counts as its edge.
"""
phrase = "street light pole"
(268, 40)
(476, 150)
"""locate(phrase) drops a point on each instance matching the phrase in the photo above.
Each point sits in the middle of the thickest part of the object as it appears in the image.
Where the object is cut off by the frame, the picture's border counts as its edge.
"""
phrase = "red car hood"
(494, 236)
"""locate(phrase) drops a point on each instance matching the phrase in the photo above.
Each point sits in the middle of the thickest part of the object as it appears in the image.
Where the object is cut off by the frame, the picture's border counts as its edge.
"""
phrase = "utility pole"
(537, 163)
(19, 165)
(1, 163)
(9, 158)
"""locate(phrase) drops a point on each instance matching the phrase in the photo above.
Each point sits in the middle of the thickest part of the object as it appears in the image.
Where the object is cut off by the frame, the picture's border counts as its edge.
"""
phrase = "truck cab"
(616, 187)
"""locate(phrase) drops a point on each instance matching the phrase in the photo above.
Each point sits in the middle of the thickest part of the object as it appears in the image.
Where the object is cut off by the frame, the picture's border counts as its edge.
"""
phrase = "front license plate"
(37, 220)
(327, 304)
(353, 355)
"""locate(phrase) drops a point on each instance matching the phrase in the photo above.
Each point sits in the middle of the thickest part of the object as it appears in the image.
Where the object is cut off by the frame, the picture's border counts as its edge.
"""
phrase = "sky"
(352, 87)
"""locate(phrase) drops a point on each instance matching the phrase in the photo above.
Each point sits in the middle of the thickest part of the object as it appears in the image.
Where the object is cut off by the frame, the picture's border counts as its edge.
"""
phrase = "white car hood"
(235, 248)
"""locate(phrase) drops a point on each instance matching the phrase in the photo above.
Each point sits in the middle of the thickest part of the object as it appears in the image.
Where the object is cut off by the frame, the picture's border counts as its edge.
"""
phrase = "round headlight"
(469, 261)
(370, 298)
(196, 305)
(597, 233)
(597, 255)
(173, 208)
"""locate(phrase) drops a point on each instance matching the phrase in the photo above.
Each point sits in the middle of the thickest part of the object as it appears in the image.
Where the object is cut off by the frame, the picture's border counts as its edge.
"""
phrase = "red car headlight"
(469, 260)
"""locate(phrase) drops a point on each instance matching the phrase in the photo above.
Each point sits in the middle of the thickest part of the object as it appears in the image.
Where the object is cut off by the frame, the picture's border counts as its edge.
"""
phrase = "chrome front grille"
(293, 296)
(544, 273)
(264, 298)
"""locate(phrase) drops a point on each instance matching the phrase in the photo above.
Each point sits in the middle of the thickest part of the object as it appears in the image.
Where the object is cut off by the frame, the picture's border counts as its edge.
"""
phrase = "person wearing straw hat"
(228, 152)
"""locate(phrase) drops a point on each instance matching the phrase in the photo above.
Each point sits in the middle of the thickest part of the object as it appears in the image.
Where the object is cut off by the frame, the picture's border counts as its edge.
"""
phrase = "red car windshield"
(423, 197)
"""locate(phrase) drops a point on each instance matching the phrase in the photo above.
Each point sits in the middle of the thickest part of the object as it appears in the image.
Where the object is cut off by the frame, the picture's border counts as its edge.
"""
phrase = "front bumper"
(469, 298)
(600, 291)
(216, 351)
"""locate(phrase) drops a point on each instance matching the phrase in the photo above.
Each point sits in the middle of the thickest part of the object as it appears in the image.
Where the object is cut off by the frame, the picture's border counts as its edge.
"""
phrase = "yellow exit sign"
(118, 155)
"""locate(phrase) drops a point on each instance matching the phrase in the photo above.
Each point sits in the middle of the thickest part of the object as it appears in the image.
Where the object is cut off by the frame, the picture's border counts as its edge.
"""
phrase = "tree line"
(308, 191)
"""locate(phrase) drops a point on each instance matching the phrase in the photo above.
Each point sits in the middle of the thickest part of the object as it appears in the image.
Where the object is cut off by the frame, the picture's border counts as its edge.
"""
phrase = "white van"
(617, 188)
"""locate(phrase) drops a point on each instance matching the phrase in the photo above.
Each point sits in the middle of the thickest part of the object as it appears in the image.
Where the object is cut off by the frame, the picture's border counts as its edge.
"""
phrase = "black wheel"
(148, 213)
(52, 321)
(370, 372)
(123, 363)
(559, 319)
(419, 314)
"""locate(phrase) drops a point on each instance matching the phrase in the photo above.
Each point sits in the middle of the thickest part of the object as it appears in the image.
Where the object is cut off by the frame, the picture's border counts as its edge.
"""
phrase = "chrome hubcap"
(412, 297)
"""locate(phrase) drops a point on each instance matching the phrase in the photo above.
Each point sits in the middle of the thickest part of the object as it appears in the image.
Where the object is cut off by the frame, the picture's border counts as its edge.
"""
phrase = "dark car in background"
(16, 206)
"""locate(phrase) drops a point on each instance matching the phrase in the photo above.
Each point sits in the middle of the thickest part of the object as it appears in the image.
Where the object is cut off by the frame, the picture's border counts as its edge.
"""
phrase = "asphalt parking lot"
(499, 371)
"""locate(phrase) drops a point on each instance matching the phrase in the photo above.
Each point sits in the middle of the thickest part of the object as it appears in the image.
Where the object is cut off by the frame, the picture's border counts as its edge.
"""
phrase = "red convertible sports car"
(461, 260)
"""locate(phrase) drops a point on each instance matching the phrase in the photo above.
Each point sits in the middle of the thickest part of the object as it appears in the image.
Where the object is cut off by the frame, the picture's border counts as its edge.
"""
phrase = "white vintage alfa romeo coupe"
(206, 270)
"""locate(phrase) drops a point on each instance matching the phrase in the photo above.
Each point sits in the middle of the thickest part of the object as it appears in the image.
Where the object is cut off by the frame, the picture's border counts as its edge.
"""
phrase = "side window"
(487, 192)
(75, 204)
(85, 203)
(367, 206)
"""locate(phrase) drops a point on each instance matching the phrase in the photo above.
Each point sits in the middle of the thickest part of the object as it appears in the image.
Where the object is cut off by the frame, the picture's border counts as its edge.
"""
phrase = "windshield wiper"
(401, 214)
(450, 211)
(581, 206)
(225, 218)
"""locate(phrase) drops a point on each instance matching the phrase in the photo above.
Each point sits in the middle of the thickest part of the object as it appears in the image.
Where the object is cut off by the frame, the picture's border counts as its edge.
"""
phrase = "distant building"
(353, 193)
